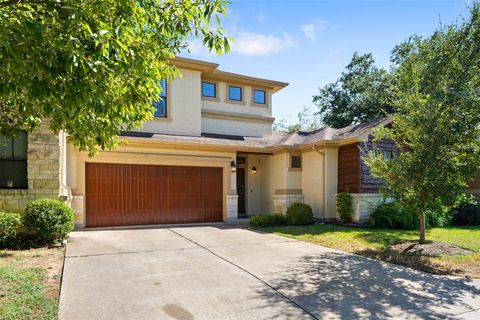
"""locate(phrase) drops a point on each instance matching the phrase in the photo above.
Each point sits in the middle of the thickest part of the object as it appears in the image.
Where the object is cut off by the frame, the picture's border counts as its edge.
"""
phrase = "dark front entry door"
(241, 191)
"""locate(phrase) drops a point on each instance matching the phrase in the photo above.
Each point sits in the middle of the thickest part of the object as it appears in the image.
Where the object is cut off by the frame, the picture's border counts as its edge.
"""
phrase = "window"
(296, 162)
(209, 89)
(13, 162)
(234, 93)
(387, 155)
(259, 96)
(161, 104)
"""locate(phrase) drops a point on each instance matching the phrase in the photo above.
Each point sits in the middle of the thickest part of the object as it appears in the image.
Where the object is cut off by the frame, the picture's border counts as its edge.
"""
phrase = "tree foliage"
(306, 121)
(93, 67)
(437, 121)
(359, 95)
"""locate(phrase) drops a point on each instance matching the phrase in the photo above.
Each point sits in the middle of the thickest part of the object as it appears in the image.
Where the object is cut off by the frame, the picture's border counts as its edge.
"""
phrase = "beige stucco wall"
(254, 187)
(43, 172)
(183, 107)
(275, 167)
(331, 185)
(247, 128)
(313, 182)
(150, 155)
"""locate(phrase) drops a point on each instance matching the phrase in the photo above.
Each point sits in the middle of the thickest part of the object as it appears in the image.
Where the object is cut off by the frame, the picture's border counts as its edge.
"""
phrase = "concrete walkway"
(226, 272)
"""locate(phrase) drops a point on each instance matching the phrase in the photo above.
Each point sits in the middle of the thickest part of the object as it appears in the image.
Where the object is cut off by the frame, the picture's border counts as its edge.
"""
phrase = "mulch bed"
(431, 248)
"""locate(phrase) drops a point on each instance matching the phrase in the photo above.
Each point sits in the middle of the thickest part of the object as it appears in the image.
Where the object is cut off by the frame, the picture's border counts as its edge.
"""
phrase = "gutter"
(63, 159)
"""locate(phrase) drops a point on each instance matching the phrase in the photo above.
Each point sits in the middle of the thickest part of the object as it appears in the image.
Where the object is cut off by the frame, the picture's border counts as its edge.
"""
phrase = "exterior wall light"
(234, 166)
(254, 170)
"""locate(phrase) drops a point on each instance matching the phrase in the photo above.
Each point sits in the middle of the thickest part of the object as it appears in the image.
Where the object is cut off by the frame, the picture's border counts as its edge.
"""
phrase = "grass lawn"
(374, 243)
(30, 283)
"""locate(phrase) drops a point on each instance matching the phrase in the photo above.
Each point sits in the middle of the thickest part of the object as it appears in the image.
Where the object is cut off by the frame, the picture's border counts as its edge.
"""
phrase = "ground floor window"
(13, 162)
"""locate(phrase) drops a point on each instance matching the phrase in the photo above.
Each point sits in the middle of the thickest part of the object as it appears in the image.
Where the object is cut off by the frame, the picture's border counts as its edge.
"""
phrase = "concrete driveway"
(226, 272)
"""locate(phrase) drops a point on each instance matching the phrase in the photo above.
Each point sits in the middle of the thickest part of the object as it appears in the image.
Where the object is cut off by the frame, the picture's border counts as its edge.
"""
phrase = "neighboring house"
(208, 155)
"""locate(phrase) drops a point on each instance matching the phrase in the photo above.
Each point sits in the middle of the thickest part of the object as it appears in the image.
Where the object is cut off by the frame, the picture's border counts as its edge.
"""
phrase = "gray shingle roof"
(276, 139)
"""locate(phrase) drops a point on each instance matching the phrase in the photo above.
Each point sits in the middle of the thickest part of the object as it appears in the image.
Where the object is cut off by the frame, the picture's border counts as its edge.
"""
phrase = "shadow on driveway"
(337, 285)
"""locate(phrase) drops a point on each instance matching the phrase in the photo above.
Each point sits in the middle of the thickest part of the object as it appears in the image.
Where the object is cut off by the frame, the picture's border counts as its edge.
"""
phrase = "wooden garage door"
(125, 194)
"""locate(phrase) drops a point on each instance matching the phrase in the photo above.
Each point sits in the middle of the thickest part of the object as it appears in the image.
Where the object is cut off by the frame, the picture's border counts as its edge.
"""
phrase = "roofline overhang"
(210, 70)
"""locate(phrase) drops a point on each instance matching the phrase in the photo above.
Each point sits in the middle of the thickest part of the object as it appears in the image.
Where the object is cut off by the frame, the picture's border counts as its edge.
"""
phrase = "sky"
(308, 43)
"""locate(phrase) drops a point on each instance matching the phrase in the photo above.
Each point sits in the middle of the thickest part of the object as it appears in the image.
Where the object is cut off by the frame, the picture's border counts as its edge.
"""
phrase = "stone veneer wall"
(43, 171)
(232, 207)
(281, 202)
(364, 204)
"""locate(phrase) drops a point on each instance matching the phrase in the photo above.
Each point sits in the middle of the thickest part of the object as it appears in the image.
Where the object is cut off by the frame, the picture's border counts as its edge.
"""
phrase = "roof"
(210, 69)
(276, 140)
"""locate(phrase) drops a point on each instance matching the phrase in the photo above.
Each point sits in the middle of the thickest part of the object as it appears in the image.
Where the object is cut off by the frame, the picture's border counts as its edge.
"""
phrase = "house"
(208, 155)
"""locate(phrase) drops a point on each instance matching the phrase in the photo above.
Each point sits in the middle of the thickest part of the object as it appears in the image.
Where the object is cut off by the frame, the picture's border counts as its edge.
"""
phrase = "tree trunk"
(422, 227)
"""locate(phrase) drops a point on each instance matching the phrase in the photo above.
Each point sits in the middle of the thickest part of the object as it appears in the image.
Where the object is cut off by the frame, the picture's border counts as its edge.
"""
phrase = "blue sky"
(309, 43)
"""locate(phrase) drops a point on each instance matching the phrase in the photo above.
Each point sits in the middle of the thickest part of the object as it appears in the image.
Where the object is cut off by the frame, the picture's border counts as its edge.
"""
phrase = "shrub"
(50, 219)
(467, 214)
(299, 214)
(266, 220)
(345, 206)
(9, 224)
(392, 215)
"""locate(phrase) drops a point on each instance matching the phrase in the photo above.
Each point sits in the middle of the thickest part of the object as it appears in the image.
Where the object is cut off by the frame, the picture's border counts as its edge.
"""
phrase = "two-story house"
(209, 154)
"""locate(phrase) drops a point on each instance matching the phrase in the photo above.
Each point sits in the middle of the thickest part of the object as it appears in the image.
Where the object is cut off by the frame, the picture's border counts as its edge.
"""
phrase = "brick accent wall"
(43, 171)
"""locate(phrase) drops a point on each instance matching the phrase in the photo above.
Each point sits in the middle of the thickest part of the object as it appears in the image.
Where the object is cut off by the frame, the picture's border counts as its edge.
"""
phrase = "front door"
(241, 191)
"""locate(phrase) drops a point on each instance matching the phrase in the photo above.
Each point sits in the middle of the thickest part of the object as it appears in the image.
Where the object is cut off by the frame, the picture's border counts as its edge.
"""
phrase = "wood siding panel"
(349, 168)
(124, 194)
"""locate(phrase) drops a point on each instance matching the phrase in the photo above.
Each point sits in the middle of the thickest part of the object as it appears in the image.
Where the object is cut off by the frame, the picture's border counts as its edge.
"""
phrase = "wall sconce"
(234, 166)
(254, 170)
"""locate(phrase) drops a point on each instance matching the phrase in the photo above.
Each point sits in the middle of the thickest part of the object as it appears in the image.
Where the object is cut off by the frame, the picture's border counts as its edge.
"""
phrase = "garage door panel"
(123, 194)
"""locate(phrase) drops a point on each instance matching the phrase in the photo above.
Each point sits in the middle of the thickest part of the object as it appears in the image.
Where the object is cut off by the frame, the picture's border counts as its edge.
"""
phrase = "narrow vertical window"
(161, 104)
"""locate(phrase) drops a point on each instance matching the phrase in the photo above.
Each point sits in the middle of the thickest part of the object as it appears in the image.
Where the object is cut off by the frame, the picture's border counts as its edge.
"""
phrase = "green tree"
(92, 67)
(436, 126)
(361, 94)
(305, 122)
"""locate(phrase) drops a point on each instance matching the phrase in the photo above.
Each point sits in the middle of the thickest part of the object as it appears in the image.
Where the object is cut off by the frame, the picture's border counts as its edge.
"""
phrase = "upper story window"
(209, 89)
(259, 96)
(296, 162)
(161, 104)
(13, 162)
(235, 93)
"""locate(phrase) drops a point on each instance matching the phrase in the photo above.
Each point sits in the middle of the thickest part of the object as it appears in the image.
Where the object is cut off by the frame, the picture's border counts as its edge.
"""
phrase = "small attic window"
(296, 162)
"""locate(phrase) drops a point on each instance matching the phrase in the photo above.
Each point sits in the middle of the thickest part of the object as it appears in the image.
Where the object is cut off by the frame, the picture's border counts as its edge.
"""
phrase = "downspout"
(314, 147)
(65, 191)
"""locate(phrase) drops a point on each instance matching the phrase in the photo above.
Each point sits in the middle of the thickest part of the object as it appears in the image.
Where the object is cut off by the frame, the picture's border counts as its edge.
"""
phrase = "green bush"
(9, 224)
(266, 220)
(467, 214)
(392, 215)
(345, 206)
(50, 219)
(299, 214)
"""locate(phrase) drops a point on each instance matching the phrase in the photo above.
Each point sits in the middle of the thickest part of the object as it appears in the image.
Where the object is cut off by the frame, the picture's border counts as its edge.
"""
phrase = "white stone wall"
(283, 201)
(364, 204)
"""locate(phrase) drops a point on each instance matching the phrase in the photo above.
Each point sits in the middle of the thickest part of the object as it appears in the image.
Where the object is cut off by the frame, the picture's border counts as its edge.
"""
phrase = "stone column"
(232, 207)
